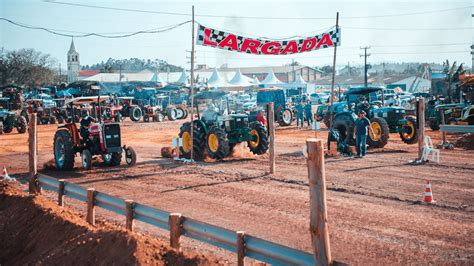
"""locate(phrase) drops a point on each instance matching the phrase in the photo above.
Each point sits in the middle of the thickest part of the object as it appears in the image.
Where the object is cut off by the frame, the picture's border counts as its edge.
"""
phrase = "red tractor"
(97, 139)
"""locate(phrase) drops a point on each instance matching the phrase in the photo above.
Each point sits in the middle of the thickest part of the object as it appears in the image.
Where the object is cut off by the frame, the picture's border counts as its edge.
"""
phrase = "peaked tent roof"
(299, 79)
(183, 79)
(240, 80)
(156, 78)
(271, 79)
(215, 80)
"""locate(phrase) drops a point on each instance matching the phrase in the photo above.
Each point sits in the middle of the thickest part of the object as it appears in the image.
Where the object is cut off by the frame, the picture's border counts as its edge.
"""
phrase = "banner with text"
(232, 42)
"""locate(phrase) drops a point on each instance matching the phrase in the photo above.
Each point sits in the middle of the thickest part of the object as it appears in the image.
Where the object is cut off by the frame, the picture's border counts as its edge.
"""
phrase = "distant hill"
(133, 65)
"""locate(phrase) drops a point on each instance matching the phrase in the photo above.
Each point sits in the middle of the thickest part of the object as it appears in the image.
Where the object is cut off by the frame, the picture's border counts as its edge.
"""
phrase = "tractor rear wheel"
(378, 137)
(112, 159)
(86, 159)
(198, 144)
(186, 113)
(63, 150)
(135, 113)
(285, 118)
(172, 114)
(259, 144)
(180, 113)
(217, 144)
(21, 124)
(409, 134)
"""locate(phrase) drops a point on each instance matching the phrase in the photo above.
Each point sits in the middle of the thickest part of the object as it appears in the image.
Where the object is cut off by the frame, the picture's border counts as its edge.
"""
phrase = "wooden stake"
(240, 248)
(421, 126)
(443, 122)
(317, 191)
(34, 187)
(175, 230)
(61, 192)
(129, 204)
(90, 218)
(271, 134)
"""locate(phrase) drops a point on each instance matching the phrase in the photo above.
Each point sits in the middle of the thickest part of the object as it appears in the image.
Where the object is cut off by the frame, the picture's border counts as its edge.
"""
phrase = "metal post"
(317, 192)
(90, 218)
(192, 84)
(175, 230)
(271, 133)
(129, 204)
(333, 75)
(33, 187)
(421, 126)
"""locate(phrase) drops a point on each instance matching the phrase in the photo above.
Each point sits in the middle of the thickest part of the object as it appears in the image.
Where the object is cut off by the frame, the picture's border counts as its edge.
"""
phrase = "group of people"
(304, 112)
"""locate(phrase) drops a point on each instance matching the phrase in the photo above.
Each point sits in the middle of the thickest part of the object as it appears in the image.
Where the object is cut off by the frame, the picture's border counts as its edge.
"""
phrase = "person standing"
(308, 111)
(362, 126)
(299, 114)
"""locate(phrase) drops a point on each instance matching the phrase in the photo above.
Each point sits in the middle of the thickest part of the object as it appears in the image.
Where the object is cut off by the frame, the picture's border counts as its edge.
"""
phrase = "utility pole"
(331, 109)
(365, 55)
(59, 73)
(293, 68)
(120, 73)
(192, 85)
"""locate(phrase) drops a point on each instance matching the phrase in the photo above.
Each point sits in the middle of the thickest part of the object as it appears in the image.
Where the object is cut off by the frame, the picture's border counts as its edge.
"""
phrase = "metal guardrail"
(255, 248)
(457, 128)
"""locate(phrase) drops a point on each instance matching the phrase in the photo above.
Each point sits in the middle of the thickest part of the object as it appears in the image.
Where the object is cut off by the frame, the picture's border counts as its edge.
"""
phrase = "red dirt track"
(374, 204)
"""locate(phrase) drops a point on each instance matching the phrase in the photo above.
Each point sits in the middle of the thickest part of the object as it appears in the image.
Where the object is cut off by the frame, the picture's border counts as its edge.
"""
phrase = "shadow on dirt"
(375, 167)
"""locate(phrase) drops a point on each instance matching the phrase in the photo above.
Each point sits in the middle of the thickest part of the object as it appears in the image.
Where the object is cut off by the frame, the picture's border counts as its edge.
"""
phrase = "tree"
(26, 67)
(326, 70)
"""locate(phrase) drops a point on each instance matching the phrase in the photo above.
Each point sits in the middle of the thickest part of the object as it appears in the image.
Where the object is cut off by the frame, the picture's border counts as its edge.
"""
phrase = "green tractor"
(216, 132)
(384, 120)
(10, 119)
(452, 113)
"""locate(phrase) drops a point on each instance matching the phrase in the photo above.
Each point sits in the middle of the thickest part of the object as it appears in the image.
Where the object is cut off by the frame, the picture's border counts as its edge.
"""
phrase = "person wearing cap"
(362, 126)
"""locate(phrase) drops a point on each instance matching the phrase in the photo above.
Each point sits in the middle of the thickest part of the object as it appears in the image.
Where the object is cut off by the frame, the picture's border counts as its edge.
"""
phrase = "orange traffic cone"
(428, 193)
(5, 174)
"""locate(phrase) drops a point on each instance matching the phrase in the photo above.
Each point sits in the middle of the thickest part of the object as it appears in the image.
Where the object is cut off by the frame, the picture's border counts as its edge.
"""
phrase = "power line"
(251, 17)
(409, 29)
(57, 32)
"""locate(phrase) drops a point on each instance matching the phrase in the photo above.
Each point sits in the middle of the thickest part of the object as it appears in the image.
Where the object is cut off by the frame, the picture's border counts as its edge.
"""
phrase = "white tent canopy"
(216, 81)
(271, 79)
(156, 78)
(299, 80)
(183, 79)
(240, 80)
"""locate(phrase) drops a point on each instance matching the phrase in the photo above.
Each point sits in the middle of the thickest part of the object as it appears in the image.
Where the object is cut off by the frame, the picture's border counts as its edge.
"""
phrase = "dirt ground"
(375, 208)
(36, 231)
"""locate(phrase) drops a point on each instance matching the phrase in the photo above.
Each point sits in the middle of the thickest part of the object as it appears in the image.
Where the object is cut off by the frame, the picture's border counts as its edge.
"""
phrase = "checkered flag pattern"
(217, 36)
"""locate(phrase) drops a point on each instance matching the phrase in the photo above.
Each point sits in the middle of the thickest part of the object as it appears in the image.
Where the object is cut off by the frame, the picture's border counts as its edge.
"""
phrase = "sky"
(386, 26)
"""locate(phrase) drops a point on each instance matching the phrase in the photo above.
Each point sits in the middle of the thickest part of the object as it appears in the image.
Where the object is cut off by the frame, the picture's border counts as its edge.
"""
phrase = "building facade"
(73, 65)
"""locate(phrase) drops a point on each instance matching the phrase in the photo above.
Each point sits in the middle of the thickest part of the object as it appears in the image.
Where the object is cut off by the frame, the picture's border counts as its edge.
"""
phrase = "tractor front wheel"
(63, 150)
(130, 156)
(378, 136)
(409, 133)
(285, 118)
(86, 159)
(259, 142)
(159, 117)
(146, 118)
(21, 124)
(112, 159)
(217, 144)
(172, 114)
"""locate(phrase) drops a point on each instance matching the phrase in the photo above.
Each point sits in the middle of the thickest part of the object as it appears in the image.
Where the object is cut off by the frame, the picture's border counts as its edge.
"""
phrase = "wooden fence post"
(441, 112)
(271, 134)
(90, 218)
(317, 192)
(240, 248)
(33, 187)
(421, 126)
(175, 230)
(129, 204)
(61, 192)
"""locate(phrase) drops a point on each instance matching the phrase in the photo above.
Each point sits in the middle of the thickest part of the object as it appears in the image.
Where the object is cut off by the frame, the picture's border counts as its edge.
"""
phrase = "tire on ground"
(63, 150)
(172, 114)
(217, 144)
(345, 129)
(409, 133)
(381, 133)
(260, 144)
(285, 117)
(135, 113)
(21, 124)
(199, 141)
